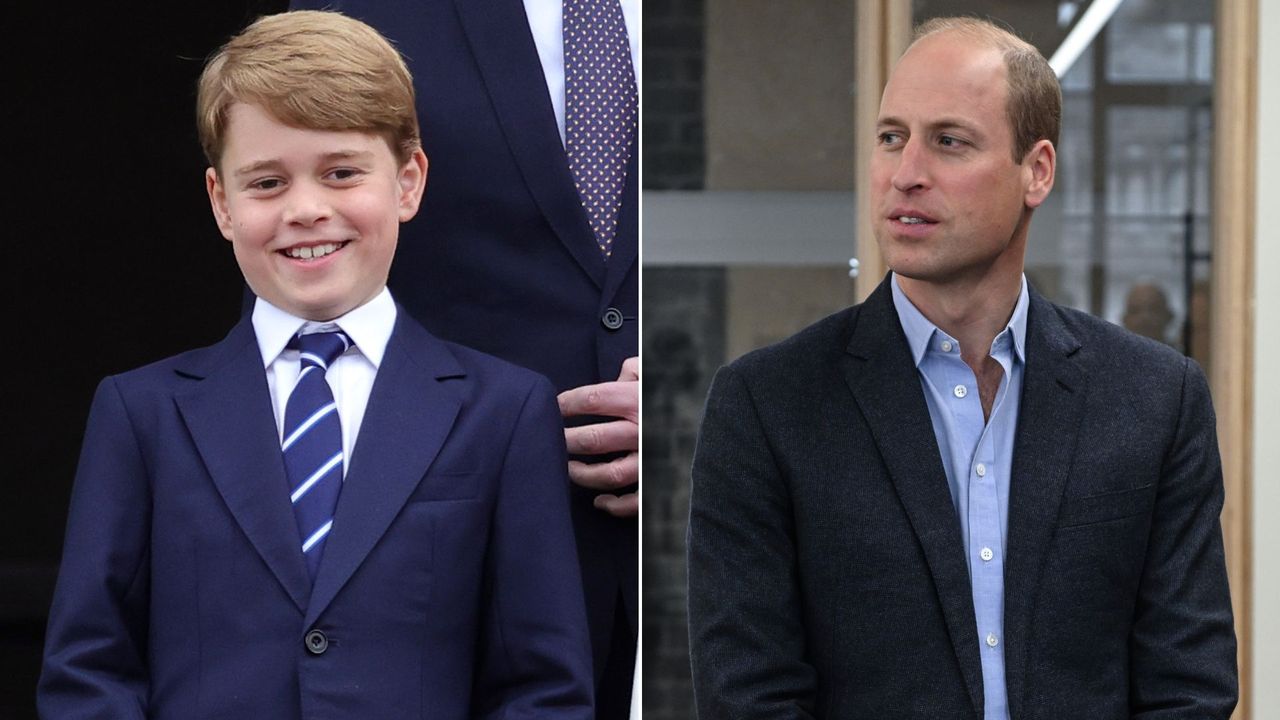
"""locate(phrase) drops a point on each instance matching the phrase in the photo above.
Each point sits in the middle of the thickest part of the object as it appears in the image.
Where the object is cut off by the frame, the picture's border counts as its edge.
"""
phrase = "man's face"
(312, 215)
(947, 199)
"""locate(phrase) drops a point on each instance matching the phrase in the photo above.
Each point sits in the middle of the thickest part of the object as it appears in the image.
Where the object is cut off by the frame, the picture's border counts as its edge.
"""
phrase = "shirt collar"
(369, 327)
(920, 331)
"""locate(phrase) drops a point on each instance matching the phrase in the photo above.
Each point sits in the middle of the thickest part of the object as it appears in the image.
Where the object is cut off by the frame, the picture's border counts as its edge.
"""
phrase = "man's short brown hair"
(310, 69)
(1034, 106)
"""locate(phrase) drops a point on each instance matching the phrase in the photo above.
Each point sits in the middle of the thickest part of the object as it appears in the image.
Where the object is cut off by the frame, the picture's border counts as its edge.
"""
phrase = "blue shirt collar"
(922, 334)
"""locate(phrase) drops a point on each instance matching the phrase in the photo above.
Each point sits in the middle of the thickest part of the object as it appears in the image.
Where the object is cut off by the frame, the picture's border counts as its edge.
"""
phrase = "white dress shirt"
(350, 377)
(546, 21)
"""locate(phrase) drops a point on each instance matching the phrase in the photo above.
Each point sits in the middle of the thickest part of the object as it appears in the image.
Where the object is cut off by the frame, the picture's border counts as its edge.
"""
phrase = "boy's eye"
(344, 173)
(266, 184)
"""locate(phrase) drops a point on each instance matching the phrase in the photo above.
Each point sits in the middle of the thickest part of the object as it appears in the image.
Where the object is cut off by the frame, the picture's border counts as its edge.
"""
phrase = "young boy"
(330, 513)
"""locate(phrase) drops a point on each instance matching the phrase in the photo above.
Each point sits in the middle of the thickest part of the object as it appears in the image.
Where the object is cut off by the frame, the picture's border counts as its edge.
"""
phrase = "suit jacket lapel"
(409, 415)
(625, 245)
(498, 32)
(1053, 393)
(886, 386)
(230, 419)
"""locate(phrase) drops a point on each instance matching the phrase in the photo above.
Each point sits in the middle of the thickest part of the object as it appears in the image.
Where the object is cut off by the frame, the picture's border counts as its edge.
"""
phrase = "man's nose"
(912, 172)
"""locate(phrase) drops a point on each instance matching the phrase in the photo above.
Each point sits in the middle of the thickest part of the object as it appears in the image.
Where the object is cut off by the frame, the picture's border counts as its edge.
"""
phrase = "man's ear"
(218, 201)
(1041, 164)
(413, 180)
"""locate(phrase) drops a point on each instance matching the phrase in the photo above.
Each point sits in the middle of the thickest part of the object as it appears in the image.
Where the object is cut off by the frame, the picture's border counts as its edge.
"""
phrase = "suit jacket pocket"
(1103, 507)
(449, 485)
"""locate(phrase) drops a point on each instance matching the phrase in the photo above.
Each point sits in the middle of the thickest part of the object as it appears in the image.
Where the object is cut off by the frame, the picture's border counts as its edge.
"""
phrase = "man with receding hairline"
(959, 500)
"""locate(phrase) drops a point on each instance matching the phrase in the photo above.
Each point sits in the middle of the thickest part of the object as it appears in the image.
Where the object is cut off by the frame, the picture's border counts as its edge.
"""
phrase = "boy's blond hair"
(310, 69)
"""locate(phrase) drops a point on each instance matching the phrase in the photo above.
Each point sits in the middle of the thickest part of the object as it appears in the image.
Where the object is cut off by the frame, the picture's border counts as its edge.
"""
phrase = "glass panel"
(1125, 234)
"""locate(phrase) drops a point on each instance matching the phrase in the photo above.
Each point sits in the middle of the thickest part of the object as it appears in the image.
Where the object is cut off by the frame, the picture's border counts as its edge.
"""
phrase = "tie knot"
(320, 349)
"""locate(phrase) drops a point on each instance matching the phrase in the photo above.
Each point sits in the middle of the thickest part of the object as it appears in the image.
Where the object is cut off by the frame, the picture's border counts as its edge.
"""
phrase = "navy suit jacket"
(827, 575)
(501, 257)
(447, 587)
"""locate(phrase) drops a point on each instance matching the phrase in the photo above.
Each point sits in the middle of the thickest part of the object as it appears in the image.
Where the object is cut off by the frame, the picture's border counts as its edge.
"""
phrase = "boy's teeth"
(312, 252)
(910, 220)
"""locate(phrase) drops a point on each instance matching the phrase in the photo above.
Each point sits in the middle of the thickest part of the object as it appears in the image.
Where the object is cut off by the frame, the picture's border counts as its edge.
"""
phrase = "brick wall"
(684, 344)
(672, 95)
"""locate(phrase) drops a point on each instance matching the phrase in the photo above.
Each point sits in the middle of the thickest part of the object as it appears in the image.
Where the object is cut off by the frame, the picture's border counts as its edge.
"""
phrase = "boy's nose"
(306, 208)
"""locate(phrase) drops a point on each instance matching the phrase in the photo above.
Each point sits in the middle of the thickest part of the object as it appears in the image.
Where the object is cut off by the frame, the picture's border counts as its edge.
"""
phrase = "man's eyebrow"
(944, 123)
(274, 164)
(947, 123)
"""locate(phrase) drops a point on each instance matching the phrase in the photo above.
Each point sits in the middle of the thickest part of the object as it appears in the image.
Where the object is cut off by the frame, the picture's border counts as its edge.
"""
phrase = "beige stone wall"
(779, 94)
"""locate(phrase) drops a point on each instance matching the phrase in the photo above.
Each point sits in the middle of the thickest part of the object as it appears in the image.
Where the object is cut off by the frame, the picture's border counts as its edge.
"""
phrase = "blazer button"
(612, 319)
(316, 642)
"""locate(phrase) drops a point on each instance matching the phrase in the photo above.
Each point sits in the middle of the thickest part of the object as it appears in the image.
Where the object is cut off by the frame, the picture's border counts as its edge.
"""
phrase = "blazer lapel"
(230, 419)
(498, 33)
(882, 375)
(1053, 394)
(409, 415)
(625, 245)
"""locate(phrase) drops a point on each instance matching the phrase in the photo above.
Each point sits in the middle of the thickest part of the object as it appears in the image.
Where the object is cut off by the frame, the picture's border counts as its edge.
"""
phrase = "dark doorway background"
(118, 260)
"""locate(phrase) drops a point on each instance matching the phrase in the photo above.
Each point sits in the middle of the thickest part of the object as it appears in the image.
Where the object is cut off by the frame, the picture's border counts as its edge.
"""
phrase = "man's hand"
(619, 399)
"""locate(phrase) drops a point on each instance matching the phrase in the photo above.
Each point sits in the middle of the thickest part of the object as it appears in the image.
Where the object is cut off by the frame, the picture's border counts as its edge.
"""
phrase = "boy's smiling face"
(313, 215)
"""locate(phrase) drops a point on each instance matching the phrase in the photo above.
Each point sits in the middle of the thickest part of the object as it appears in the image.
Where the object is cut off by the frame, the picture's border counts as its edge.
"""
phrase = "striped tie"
(312, 443)
(600, 109)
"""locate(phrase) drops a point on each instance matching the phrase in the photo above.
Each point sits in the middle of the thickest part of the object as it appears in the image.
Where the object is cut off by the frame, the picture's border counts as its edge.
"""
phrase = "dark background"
(118, 261)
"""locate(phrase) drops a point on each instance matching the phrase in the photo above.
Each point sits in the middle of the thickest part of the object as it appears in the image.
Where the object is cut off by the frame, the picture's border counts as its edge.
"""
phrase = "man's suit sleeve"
(95, 647)
(746, 632)
(535, 656)
(1182, 650)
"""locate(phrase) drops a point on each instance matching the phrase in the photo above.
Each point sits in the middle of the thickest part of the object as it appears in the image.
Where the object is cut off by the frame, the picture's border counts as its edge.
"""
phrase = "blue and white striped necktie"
(312, 446)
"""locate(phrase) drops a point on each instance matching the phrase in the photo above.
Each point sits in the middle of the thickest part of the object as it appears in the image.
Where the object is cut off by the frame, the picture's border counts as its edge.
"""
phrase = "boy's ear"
(218, 201)
(413, 179)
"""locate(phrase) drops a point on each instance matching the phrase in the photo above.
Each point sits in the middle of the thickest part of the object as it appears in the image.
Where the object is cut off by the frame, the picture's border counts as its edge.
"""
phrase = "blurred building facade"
(749, 228)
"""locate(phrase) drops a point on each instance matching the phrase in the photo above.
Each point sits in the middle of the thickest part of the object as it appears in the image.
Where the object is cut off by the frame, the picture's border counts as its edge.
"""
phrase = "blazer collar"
(880, 372)
(508, 60)
(412, 407)
(414, 402)
(1054, 388)
(228, 413)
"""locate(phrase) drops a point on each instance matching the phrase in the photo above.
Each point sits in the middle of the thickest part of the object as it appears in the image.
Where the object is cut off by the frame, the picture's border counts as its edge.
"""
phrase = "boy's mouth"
(314, 252)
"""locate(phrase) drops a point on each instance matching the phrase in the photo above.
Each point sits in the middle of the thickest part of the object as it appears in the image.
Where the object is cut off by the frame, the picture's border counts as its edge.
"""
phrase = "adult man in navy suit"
(260, 530)
(503, 259)
(958, 500)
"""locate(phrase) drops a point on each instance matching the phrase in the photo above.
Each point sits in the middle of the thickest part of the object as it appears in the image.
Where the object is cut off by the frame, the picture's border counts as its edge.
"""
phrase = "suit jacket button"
(612, 319)
(316, 642)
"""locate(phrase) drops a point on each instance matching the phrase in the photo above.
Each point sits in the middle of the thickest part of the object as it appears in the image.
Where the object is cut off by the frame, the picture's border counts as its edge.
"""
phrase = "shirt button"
(961, 391)
(946, 346)
(986, 554)
(981, 470)
(992, 640)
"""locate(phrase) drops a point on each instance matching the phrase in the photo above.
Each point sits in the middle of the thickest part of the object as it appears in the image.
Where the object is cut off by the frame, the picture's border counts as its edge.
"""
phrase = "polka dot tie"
(600, 109)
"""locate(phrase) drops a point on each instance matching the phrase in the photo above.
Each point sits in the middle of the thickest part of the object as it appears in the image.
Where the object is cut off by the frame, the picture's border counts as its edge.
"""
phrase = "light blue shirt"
(978, 458)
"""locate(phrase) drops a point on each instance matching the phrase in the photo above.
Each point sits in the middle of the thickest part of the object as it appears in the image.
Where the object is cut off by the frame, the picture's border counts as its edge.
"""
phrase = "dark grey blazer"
(827, 575)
